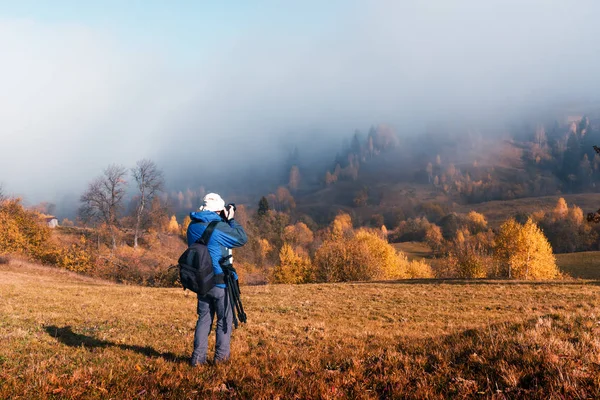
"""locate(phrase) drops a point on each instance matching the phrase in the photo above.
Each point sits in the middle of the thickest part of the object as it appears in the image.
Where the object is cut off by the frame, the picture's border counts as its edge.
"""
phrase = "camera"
(224, 213)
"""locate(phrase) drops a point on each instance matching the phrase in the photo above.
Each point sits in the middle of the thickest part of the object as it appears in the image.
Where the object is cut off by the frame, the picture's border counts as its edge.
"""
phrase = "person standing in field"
(227, 234)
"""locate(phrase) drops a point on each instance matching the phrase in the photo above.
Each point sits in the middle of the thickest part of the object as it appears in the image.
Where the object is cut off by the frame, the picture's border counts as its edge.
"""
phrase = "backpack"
(195, 265)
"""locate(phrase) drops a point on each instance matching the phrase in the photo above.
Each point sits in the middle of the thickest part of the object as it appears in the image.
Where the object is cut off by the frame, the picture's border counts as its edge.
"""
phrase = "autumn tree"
(341, 226)
(476, 221)
(298, 234)
(184, 226)
(470, 256)
(565, 228)
(524, 252)
(434, 238)
(561, 209)
(173, 226)
(103, 200)
(284, 201)
(330, 178)
(270, 227)
(292, 268)
(158, 216)
(150, 182)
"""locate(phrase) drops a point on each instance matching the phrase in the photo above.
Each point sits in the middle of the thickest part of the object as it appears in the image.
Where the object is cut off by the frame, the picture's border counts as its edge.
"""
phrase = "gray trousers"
(215, 302)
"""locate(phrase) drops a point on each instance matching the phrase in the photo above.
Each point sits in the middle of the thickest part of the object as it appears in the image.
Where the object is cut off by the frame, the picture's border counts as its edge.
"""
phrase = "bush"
(418, 269)
(22, 231)
(138, 266)
(365, 255)
(469, 256)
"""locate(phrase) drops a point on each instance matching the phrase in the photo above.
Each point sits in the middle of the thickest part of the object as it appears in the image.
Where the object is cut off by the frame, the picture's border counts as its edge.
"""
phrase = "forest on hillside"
(314, 225)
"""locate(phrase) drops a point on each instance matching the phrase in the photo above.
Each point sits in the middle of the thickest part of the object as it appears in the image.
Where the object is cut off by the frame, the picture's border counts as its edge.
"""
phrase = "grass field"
(66, 336)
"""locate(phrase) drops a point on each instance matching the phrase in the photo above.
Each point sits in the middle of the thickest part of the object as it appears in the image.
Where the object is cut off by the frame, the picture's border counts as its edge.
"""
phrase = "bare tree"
(2, 195)
(150, 182)
(103, 199)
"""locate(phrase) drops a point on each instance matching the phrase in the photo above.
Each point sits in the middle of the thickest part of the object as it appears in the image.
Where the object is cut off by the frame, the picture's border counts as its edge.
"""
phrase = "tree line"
(103, 201)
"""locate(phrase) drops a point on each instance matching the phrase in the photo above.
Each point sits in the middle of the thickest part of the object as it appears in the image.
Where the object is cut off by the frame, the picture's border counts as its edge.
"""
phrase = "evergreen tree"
(263, 206)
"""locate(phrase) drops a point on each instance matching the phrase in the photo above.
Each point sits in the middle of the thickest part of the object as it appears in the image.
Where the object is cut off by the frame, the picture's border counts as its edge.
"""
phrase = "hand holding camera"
(228, 212)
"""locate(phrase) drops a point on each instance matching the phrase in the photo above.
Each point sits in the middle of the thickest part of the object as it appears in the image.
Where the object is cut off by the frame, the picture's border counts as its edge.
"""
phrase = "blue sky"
(188, 29)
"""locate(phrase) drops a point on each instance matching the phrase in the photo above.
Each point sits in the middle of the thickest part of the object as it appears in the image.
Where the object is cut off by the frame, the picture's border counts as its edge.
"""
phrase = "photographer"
(227, 234)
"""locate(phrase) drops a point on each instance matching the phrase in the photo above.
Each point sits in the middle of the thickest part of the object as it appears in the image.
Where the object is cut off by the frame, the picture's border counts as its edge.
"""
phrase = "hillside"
(498, 211)
(66, 336)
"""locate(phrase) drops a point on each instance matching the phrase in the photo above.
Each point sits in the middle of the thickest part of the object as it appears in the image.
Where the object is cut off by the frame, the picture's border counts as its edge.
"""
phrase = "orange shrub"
(364, 256)
(22, 230)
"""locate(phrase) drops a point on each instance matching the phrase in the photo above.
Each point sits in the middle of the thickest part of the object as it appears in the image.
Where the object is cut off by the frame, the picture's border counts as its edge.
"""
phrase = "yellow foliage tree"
(184, 226)
(524, 252)
(434, 238)
(341, 225)
(365, 255)
(173, 225)
(561, 209)
(575, 215)
(293, 267)
(477, 220)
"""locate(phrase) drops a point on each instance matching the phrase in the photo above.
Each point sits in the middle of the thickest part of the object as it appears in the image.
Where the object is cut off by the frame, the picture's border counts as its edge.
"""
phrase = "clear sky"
(225, 84)
(186, 28)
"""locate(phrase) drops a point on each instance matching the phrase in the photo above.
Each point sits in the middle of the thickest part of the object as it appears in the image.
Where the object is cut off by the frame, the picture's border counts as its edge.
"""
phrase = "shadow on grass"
(66, 336)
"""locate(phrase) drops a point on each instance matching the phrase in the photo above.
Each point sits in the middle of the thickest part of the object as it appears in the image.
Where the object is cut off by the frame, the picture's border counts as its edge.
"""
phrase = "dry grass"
(585, 265)
(65, 336)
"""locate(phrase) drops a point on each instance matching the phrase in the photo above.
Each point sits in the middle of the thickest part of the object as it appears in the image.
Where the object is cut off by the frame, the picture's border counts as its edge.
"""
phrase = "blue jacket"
(226, 235)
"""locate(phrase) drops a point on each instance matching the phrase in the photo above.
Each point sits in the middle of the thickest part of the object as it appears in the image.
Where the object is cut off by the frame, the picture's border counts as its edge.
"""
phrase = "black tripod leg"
(232, 303)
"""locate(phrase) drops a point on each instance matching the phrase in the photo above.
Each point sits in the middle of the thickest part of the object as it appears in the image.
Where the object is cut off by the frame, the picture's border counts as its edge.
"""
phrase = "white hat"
(212, 202)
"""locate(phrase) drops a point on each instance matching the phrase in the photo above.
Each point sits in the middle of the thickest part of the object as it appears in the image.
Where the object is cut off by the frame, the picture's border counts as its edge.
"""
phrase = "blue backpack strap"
(205, 238)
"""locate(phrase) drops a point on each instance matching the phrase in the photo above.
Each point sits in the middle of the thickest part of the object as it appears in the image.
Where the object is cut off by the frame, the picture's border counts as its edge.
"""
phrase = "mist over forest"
(226, 113)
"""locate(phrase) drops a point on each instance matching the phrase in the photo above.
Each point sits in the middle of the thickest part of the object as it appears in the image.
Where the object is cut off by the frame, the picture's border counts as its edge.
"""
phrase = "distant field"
(418, 251)
(65, 336)
(585, 265)
(497, 212)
